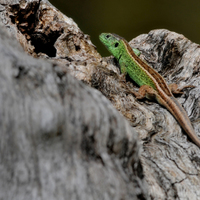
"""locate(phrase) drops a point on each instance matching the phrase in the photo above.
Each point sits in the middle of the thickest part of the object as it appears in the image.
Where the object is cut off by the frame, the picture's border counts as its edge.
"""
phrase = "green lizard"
(152, 84)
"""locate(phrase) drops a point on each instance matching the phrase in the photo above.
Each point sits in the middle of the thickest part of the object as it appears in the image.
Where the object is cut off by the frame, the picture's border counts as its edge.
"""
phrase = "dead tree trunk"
(62, 139)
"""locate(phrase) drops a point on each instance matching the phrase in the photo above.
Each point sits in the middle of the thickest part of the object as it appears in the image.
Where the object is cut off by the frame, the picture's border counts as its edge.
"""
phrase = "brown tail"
(182, 117)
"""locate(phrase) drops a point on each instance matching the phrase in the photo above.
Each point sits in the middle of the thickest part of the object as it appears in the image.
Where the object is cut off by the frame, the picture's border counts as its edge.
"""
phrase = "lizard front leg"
(136, 51)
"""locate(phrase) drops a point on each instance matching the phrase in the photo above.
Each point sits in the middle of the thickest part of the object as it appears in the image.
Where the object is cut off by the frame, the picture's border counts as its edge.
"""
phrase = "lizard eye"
(116, 44)
(107, 36)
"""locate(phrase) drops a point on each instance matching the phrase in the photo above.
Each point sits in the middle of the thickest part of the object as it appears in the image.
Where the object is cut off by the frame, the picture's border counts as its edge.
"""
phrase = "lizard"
(152, 84)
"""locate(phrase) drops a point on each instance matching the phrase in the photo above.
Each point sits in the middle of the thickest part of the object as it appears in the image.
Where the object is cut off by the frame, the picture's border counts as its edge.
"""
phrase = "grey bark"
(61, 139)
(169, 154)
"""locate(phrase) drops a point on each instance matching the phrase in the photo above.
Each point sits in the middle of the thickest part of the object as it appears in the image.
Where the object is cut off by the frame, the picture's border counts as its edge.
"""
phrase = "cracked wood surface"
(60, 139)
(170, 153)
(171, 162)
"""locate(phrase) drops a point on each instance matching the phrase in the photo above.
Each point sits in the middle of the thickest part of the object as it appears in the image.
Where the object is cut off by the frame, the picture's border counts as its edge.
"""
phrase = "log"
(60, 138)
(63, 139)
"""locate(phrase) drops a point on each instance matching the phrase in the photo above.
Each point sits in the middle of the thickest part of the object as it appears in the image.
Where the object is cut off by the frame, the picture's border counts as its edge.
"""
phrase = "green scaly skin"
(125, 60)
(153, 85)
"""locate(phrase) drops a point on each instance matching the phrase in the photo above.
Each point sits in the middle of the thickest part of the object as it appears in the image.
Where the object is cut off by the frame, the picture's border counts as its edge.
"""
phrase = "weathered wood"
(169, 154)
(60, 139)
(171, 162)
(81, 129)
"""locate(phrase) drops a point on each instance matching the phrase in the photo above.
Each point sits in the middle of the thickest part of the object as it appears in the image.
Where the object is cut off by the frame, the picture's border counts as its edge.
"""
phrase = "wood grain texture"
(61, 138)
(169, 152)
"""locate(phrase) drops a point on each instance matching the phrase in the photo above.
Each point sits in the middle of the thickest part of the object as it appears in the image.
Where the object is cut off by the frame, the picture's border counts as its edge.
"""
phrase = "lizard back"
(150, 71)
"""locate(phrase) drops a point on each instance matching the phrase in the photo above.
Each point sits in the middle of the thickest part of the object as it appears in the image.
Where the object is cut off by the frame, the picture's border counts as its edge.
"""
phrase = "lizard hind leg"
(175, 90)
(146, 91)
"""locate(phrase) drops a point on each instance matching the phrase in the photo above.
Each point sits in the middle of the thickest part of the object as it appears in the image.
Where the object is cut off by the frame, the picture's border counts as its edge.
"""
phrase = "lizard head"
(113, 42)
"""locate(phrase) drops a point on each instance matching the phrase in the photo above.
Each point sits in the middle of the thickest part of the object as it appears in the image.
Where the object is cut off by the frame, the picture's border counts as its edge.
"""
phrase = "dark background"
(129, 18)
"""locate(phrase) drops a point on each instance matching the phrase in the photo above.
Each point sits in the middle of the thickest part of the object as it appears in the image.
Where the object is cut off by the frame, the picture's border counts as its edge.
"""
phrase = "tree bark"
(62, 139)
